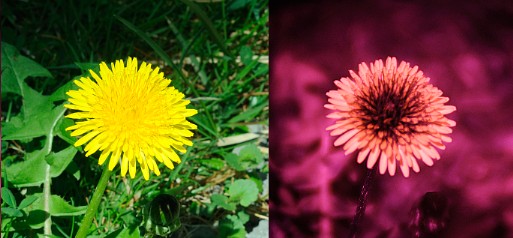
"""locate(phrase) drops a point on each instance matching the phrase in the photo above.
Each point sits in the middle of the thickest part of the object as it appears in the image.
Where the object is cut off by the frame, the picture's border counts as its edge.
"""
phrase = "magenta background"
(467, 51)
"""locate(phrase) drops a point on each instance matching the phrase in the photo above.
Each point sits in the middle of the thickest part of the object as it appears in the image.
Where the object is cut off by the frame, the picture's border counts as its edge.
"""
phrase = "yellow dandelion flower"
(131, 115)
(390, 113)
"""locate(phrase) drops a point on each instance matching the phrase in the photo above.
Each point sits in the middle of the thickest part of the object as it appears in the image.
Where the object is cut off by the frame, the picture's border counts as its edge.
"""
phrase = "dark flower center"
(387, 112)
(384, 107)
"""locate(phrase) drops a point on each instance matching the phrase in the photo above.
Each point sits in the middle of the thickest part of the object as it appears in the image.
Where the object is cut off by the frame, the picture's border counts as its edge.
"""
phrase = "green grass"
(214, 52)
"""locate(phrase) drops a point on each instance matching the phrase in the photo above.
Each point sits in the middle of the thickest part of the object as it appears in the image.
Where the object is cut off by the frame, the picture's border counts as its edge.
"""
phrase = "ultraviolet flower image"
(390, 113)
(464, 48)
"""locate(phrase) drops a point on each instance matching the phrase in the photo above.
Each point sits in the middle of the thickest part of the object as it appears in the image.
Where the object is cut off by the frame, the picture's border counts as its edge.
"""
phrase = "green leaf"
(36, 218)
(60, 130)
(31, 171)
(265, 169)
(73, 170)
(60, 160)
(28, 172)
(238, 220)
(233, 161)
(8, 197)
(258, 182)
(214, 163)
(222, 201)
(35, 105)
(238, 4)
(243, 217)
(243, 191)
(237, 223)
(86, 66)
(250, 157)
(231, 227)
(60, 93)
(58, 206)
(16, 225)
(127, 232)
(251, 154)
(38, 115)
(130, 219)
(261, 70)
(241, 74)
(249, 114)
(12, 212)
(39, 123)
(246, 55)
(16, 68)
(27, 202)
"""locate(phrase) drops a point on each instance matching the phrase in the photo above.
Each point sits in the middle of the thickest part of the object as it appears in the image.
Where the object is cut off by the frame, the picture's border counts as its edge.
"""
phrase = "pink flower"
(390, 113)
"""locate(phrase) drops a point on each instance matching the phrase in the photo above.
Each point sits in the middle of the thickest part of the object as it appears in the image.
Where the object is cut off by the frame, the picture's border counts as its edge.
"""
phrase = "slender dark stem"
(362, 202)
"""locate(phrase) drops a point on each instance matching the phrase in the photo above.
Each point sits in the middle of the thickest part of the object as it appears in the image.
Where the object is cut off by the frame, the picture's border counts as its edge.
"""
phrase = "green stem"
(47, 196)
(93, 205)
(48, 178)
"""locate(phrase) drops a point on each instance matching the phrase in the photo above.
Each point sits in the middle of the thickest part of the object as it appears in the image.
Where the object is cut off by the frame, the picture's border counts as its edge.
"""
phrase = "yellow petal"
(114, 159)
(124, 166)
(86, 138)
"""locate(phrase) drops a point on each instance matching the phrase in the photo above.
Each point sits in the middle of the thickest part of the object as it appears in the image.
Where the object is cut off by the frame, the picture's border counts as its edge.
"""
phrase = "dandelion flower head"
(132, 116)
(390, 113)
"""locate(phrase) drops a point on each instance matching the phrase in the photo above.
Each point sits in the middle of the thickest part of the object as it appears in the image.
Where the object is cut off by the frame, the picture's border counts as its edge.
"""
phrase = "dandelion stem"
(93, 205)
(362, 202)
(47, 195)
